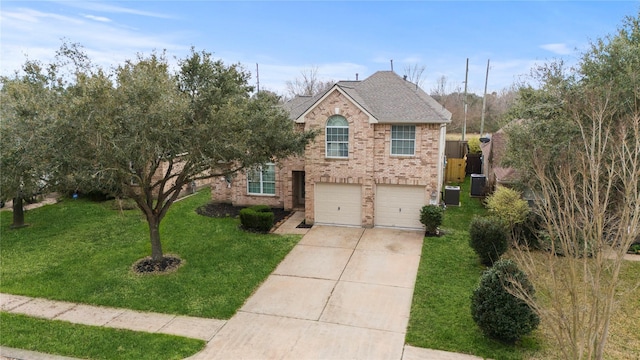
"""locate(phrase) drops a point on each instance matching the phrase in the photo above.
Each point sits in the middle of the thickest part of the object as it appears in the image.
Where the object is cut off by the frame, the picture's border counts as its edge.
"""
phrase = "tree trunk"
(18, 212)
(154, 233)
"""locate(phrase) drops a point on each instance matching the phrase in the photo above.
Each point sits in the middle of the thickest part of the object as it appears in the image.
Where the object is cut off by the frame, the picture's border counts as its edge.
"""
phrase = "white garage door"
(338, 204)
(399, 206)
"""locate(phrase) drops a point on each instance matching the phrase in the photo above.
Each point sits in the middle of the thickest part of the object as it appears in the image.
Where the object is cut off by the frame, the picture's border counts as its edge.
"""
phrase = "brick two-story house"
(378, 158)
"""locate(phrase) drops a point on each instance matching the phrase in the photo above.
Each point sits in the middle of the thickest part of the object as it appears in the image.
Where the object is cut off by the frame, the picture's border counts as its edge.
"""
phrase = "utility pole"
(258, 77)
(484, 100)
(466, 78)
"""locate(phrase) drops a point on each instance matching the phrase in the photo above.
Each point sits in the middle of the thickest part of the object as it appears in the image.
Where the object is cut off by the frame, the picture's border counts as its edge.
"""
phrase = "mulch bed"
(222, 210)
(167, 265)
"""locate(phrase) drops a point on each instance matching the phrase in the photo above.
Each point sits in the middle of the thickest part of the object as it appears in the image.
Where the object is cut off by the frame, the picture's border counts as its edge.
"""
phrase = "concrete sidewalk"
(192, 327)
(341, 293)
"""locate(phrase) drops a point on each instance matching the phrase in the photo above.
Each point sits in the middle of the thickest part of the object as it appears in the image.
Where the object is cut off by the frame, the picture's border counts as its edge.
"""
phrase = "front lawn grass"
(448, 273)
(82, 341)
(82, 251)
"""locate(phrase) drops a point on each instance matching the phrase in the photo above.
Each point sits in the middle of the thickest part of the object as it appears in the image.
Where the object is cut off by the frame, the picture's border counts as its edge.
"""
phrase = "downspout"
(441, 147)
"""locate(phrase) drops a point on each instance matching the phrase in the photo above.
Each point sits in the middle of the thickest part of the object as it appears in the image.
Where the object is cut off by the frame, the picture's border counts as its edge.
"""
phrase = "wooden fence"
(456, 170)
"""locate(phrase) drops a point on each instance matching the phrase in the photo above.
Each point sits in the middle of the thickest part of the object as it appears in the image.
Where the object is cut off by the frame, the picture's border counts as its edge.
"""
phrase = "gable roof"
(385, 96)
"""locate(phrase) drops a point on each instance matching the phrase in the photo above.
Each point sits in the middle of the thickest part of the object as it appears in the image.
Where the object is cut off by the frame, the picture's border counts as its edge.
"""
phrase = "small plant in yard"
(431, 217)
(508, 205)
(488, 238)
(258, 218)
(498, 313)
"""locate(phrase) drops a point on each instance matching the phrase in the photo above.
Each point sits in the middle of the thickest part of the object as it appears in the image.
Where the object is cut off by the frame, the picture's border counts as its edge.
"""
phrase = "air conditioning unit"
(478, 182)
(452, 195)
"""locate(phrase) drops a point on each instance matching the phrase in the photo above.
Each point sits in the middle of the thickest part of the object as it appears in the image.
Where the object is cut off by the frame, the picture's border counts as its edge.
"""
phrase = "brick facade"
(178, 165)
(236, 191)
(369, 163)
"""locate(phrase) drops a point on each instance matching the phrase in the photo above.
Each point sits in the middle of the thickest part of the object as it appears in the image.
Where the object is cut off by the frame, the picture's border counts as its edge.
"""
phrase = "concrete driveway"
(342, 293)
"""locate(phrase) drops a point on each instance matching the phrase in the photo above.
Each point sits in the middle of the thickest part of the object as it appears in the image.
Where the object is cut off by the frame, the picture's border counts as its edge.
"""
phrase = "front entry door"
(298, 189)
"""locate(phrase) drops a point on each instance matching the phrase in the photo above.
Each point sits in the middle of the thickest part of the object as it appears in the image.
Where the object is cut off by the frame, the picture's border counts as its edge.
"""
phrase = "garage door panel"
(338, 204)
(399, 205)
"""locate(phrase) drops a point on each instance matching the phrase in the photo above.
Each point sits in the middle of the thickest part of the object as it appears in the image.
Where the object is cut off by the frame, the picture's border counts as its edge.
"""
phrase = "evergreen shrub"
(257, 218)
(488, 238)
(431, 217)
(500, 314)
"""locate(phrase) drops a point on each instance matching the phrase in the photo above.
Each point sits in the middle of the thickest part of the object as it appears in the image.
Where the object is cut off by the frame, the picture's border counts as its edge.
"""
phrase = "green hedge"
(257, 218)
(488, 238)
(498, 313)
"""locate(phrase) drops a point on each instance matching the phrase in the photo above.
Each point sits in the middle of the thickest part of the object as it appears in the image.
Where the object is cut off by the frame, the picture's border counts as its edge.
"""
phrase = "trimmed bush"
(498, 313)
(488, 238)
(431, 217)
(257, 218)
(508, 205)
(474, 145)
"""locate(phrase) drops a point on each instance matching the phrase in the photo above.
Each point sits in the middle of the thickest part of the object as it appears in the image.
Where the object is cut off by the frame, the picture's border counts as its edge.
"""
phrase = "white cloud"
(558, 48)
(97, 18)
(412, 60)
(27, 33)
(101, 7)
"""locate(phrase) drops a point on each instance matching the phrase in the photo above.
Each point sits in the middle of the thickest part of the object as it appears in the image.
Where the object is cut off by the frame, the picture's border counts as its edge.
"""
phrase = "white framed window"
(262, 180)
(403, 140)
(337, 137)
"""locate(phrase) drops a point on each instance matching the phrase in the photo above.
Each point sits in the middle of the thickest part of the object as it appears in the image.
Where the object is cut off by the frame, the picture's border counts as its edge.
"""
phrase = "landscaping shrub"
(431, 217)
(508, 205)
(488, 238)
(474, 145)
(258, 218)
(498, 313)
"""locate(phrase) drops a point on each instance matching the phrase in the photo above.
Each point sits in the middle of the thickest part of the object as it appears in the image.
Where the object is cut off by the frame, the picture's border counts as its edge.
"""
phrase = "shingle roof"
(298, 105)
(387, 97)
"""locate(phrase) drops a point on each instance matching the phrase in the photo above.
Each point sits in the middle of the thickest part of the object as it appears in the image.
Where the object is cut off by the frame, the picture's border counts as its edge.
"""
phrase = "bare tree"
(308, 84)
(589, 200)
(441, 89)
(415, 74)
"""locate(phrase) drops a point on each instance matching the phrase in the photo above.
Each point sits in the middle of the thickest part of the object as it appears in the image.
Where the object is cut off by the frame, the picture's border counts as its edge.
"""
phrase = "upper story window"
(337, 137)
(262, 180)
(403, 140)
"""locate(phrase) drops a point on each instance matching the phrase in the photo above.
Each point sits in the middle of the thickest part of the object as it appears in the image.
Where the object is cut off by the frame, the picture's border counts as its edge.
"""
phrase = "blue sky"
(339, 38)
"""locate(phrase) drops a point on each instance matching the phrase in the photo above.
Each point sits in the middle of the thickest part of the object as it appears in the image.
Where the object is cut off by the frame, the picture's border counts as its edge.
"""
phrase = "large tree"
(580, 150)
(147, 133)
(29, 105)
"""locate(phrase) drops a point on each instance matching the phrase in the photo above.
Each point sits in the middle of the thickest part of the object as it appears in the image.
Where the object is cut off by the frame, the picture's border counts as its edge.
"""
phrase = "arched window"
(337, 137)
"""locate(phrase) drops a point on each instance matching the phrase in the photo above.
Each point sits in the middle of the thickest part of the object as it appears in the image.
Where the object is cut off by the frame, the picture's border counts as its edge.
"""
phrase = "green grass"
(449, 271)
(82, 251)
(61, 338)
